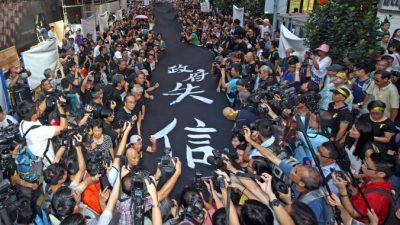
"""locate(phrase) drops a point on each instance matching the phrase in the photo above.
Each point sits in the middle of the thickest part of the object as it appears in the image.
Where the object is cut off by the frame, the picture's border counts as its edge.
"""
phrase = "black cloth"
(338, 115)
(109, 130)
(379, 128)
(86, 97)
(244, 118)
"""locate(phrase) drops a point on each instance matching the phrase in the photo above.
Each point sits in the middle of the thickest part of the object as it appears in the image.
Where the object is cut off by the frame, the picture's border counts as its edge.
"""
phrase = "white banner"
(89, 26)
(103, 21)
(269, 6)
(39, 58)
(238, 13)
(146, 2)
(289, 40)
(118, 14)
(205, 6)
(124, 4)
(113, 6)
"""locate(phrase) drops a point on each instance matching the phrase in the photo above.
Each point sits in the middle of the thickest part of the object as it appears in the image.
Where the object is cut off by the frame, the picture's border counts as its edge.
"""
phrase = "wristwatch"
(274, 203)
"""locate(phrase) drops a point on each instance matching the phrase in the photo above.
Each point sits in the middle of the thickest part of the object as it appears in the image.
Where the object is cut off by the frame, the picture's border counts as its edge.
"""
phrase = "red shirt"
(377, 201)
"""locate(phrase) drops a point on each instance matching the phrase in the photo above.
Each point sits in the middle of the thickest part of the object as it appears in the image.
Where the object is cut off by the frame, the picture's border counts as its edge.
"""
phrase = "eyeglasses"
(369, 168)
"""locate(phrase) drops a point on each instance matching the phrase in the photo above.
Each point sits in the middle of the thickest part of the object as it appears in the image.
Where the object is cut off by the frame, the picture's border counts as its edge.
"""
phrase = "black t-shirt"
(108, 130)
(121, 116)
(337, 116)
(379, 128)
(86, 97)
(138, 106)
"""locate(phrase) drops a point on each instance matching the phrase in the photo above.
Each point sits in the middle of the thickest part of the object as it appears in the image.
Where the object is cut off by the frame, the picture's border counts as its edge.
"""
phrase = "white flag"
(289, 40)
(205, 6)
(103, 21)
(146, 2)
(39, 58)
(89, 26)
(118, 14)
(238, 13)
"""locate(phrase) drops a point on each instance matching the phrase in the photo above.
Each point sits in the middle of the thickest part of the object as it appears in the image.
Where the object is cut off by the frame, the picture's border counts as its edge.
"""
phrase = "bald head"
(229, 113)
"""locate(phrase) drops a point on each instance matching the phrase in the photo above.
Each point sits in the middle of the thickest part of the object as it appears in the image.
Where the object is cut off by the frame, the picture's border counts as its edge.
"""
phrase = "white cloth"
(37, 139)
(89, 26)
(289, 40)
(45, 55)
(238, 13)
(103, 21)
(6, 121)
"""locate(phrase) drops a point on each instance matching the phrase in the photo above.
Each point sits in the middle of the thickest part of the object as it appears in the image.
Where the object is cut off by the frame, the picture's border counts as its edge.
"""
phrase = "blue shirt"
(359, 87)
(288, 76)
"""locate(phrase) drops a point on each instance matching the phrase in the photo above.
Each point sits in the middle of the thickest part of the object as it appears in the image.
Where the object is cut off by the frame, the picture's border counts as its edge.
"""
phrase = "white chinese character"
(197, 76)
(200, 133)
(163, 133)
(183, 92)
(179, 69)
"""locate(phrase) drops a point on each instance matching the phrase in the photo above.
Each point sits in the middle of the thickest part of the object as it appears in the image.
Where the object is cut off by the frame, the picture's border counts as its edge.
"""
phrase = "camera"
(166, 164)
(138, 194)
(194, 210)
(97, 161)
(9, 134)
(198, 182)
(395, 73)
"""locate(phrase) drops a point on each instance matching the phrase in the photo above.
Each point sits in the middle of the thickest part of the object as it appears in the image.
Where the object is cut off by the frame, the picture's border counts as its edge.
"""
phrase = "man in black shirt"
(341, 117)
(126, 114)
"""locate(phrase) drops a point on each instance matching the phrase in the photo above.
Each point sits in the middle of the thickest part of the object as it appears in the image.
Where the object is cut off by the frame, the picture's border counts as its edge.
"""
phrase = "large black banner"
(187, 111)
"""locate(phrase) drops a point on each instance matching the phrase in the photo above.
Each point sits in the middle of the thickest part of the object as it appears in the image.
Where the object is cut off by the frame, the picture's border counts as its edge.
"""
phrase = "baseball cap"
(343, 91)
(323, 47)
(335, 67)
(134, 139)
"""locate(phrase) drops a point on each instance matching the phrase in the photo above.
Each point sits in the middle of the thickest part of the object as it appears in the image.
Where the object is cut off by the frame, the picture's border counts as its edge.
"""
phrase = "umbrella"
(141, 17)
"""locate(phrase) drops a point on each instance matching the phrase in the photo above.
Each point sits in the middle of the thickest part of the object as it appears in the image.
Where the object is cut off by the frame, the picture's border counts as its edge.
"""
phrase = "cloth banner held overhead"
(124, 4)
(103, 21)
(37, 59)
(118, 14)
(238, 13)
(205, 6)
(289, 40)
(146, 2)
(89, 26)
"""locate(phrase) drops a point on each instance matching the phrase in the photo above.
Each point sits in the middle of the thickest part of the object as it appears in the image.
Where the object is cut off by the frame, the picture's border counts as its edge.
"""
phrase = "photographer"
(38, 138)
(5, 119)
(16, 77)
(126, 204)
(306, 181)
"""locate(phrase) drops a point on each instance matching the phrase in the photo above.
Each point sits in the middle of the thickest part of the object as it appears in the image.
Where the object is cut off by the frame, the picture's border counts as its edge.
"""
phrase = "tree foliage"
(350, 27)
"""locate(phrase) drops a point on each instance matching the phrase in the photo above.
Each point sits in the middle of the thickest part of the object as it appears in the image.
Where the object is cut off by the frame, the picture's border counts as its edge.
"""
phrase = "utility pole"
(275, 18)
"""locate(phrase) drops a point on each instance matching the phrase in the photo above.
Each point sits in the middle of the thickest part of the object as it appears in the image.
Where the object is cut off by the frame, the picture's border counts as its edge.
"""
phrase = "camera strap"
(48, 140)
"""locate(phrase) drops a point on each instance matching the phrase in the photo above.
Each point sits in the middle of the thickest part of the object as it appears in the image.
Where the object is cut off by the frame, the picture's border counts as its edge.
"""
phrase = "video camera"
(138, 194)
(218, 161)
(193, 211)
(97, 161)
(166, 162)
(9, 134)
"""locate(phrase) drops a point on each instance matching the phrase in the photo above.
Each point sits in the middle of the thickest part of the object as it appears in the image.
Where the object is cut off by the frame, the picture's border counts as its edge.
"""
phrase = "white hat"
(134, 139)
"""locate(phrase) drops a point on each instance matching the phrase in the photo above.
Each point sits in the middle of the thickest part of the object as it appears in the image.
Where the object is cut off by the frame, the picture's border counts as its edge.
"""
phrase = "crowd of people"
(313, 142)
(332, 128)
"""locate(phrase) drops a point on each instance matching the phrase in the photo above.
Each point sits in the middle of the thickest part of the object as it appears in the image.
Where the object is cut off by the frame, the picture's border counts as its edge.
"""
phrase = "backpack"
(391, 218)
(317, 194)
(29, 166)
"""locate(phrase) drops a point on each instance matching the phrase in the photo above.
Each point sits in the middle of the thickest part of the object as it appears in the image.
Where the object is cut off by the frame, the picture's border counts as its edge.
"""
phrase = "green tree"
(349, 27)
